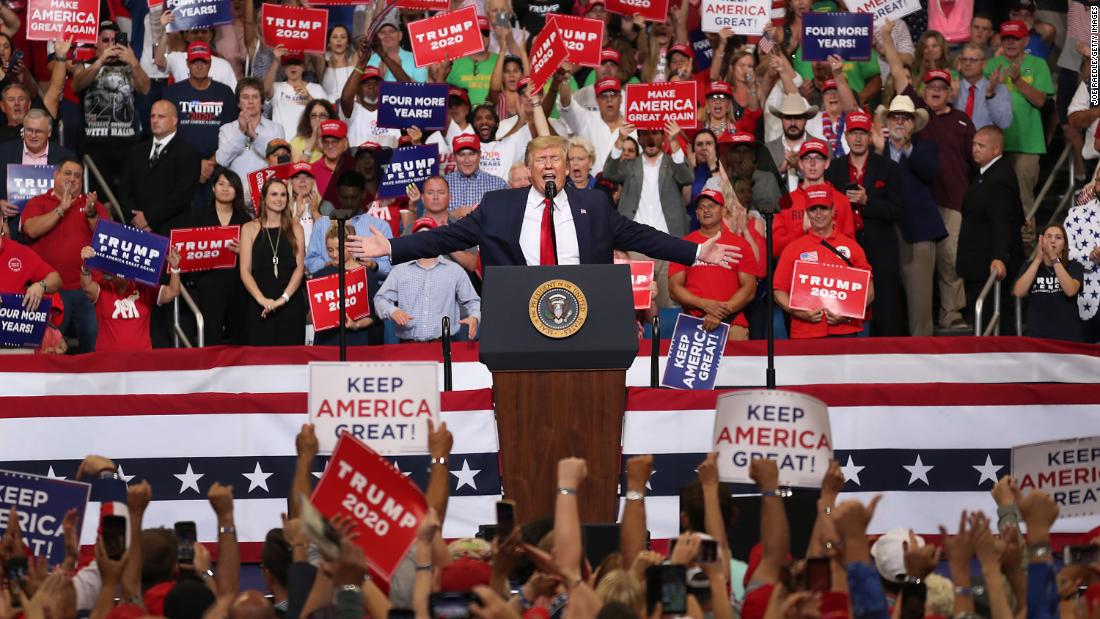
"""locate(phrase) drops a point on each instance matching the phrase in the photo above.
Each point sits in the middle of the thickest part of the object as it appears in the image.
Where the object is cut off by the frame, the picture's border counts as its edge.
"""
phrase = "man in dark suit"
(510, 229)
(989, 237)
(161, 175)
(34, 149)
(872, 184)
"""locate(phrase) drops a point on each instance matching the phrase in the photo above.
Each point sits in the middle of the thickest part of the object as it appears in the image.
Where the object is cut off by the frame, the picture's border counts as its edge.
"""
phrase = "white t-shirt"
(592, 126)
(287, 104)
(220, 70)
(363, 127)
(497, 157)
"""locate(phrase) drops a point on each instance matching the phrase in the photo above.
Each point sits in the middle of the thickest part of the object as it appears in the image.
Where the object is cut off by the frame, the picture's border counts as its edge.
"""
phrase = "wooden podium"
(557, 397)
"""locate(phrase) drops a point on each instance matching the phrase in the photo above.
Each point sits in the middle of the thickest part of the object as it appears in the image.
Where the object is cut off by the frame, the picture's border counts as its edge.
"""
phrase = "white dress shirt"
(565, 232)
(650, 212)
(989, 165)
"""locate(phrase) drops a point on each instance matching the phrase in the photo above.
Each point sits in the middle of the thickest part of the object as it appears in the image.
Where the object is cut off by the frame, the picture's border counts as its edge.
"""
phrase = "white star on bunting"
(988, 470)
(918, 471)
(257, 478)
(188, 479)
(466, 475)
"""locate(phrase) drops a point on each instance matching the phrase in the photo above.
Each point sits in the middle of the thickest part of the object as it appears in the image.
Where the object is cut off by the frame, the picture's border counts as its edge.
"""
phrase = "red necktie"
(970, 103)
(548, 256)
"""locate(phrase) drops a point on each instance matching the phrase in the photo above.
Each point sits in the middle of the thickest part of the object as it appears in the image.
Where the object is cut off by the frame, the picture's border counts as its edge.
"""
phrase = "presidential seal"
(558, 308)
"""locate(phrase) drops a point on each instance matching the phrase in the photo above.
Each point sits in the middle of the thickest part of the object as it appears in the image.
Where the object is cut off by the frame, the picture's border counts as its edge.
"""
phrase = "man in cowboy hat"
(921, 225)
(793, 112)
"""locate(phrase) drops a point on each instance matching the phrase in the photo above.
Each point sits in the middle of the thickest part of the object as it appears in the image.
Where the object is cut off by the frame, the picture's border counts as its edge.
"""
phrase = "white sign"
(790, 428)
(881, 9)
(747, 17)
(1066, 470)
(385, 405)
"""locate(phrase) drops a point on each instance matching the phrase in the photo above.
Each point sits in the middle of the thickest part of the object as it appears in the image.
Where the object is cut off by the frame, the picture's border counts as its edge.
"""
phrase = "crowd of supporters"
(919, 164)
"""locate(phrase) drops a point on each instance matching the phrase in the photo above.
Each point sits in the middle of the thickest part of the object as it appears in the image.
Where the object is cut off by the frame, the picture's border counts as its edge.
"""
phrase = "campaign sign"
(205, 249)
(446, 36)
(41, 504)
(847, 35)
(548, 51)
(49, 20)
(384, 504)
(700, 46)
(192, 14)
(747, 17)
(883, 9)
(583, 38)
(641, 276)
(388, 405)
(404, 104)
(694, 354)
(1065, 470)
(408, 164)
(128, 252)
(424, 5)
(324, 298)
(28, 181)
(650, 10)
(20, 328)
(257, 179)
(650, 106)
(841, 290)
(791, 428)
(298, 28)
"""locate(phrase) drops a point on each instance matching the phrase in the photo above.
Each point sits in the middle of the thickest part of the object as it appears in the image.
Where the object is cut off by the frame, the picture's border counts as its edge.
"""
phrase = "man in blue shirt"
(985, 100)
(469, 182)
(350, 188)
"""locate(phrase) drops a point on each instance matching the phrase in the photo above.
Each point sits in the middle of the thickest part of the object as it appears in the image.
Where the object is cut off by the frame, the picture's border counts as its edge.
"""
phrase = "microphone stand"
(769, 212)
(341, 216)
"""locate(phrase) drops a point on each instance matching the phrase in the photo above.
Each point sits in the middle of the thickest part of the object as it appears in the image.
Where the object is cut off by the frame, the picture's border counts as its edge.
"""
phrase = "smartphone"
(1083, 554)
(186, 535)
(851, 187)
(502, 19)
(666, 585)
(281, 159)
(16, 58)
(451, 604)
(122, 39)
(401, 613)
(82, 53)
(15, 569)
(506, 519)
(819, 575)
(708, 549)
(114, 536)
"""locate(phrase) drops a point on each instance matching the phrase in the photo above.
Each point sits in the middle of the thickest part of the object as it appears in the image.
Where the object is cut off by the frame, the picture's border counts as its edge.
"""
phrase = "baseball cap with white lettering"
(464, 141)
(609, 84)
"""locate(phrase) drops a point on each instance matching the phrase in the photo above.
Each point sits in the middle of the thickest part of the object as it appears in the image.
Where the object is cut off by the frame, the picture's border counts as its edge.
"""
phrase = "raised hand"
(713, 252)
(374, 246)
(920, 561)
(571, 472)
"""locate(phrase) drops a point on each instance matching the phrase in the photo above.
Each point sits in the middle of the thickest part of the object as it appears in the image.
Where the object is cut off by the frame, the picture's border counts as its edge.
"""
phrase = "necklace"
(274, 251)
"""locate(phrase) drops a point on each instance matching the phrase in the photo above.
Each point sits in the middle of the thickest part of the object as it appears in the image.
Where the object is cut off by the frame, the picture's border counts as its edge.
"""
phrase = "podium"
(558, 341)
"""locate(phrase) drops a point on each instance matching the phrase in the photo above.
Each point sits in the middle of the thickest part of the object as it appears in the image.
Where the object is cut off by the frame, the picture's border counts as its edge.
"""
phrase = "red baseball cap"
(741, 137)
(829, 84)
(937, 74)
(1014, 29)
(371, 73)
(369, 146)
(814, 146)
(198, 50)
(607, 85)
(721, 89)
(334, 128)
(293, 57)
(611, 55)
(711, 194)
(300, 167)
(593, 4)
(466, 140)
(404, 141)
(681, 48)
(424, 223)
(483, 23)
(819, 197)
(460, 93)
(859, 121)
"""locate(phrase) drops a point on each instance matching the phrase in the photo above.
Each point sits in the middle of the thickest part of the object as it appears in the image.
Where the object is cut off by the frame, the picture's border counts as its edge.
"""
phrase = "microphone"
(551, 190)
(330, 211)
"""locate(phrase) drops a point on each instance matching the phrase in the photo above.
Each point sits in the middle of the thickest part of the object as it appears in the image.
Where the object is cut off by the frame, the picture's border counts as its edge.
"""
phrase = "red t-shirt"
(124, 318)
(20, 267)
(61, 246)
(788, 223)
(714, 282)
(808, 248)
(322, 175)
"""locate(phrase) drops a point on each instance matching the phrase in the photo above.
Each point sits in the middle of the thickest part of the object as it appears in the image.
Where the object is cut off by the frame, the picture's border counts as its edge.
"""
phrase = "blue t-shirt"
(202, 113)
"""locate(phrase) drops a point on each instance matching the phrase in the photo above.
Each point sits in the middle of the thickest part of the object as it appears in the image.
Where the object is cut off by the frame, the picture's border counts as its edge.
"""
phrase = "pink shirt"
(30, 158)
(951, 18)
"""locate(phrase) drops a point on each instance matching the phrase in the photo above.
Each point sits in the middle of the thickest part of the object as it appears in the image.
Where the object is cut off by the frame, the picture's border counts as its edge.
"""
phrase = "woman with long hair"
(272, 266)
(1051, 284)
(931, 54)
(339, 61)
(306, 144)
(509, 70)
(305, 200)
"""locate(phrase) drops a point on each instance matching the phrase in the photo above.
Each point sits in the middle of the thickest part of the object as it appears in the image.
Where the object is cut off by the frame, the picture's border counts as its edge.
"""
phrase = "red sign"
(650, 106)
(583, 38)
(204, 249)
(641, 276)
(49, 20)
(384, 505)
(841, 290)
(548, 51)
(445, 37)
(298, 28)
(651, 10)
(257, 179)
(324, 298)
(424, 5)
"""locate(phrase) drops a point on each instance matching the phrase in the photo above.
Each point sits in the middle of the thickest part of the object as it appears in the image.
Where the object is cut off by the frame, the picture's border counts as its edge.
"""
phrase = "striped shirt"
(427, 294)
(467, 190)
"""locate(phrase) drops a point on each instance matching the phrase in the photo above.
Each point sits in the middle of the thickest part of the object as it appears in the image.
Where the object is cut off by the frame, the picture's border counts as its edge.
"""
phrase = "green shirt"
(1025, 134)
(473, 76)
(857, 73)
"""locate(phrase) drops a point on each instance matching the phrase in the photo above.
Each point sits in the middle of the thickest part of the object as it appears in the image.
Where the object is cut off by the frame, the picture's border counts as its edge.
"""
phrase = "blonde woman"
(581, 156)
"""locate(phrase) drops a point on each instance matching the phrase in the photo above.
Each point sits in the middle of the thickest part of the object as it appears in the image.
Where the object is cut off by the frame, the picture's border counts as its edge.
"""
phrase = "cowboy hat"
(794, 105)
(902, 104)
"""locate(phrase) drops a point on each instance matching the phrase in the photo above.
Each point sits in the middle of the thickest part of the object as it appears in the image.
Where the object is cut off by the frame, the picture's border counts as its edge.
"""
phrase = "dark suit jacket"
(495, 226)
(12, 152)
(991, 219)
(919, 169)
(884, 208)
(162, 191)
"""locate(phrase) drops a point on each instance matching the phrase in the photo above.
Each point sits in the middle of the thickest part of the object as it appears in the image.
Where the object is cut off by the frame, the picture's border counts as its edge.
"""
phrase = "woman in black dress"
(272, 265)
(219, 293)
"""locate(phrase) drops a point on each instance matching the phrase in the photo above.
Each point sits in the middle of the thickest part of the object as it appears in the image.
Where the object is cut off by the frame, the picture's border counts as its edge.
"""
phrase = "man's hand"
(374, 246)
(713, 252)
(462, 211)
(958, 548)
(492, 605)
(138, 497)
(221, 499)
(471, 323)
(207, 169)
(807, 316)
(999, 268)
(571, 472)
(93, 465)
(293, 532)
(836, 319)
(765, 473)
(33, 296)
(1039, 511)
(832, 482)
(429, 526)
(1005, 491)
(401, 317)
(989, 550)
(109, 569)
(305, 444)
(687, 546)
(708, 470)
(857, 196)
(920, 561)
(139, 221)
(852, 517)
(711, 322)
(7, 209)
(624, 132)
(173, 257)
(350, 568)
(638, 470)
(440, 440)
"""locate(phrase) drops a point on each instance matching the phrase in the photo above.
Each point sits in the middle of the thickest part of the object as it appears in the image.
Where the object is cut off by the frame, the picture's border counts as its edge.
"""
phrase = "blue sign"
(28, 181)
(404, 104)
(847, 35)
(192, 14)
(704, 53)
(20, 328)
(128, 252)
(694, 354)
(41, 503)
(411, 164)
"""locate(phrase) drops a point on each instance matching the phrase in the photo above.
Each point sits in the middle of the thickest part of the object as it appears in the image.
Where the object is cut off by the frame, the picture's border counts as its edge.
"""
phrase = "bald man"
(161, 176)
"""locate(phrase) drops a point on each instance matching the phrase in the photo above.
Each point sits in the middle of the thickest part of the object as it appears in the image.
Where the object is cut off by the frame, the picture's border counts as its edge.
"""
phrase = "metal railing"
(179, 335)
(994, 326)
(89, 166)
